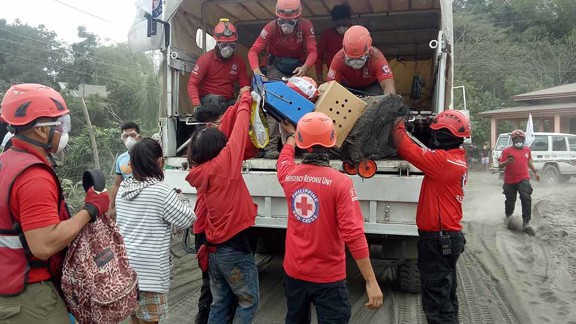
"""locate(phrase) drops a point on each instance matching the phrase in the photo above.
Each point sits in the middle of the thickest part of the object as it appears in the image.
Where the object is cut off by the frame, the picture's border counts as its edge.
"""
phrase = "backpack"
(98, 283)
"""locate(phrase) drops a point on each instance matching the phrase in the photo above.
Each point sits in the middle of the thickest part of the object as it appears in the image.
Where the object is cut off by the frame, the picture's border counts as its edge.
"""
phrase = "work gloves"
(96, 203)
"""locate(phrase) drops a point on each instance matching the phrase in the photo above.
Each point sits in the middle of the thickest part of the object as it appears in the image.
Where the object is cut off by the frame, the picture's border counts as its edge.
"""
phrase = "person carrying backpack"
(147, 208)
(35, 224)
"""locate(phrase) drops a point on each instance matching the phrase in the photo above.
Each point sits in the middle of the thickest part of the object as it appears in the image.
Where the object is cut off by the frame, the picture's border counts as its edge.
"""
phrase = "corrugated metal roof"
(566, 90)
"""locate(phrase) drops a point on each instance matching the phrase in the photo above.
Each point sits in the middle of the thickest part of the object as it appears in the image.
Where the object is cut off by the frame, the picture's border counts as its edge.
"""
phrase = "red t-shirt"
(376, 69)
(329, 44)
(323, 214)
(300, 44)
(34, 203)
(442, 192)
(226, 127)
(213, 75)
(229, 206)
(517, 171)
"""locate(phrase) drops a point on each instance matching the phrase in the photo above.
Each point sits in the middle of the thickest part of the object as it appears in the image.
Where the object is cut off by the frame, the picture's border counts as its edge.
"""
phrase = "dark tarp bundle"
(371, 137)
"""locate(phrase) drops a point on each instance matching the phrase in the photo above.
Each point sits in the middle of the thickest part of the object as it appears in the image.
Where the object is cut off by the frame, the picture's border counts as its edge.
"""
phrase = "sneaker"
(528, 229)
(271, 154)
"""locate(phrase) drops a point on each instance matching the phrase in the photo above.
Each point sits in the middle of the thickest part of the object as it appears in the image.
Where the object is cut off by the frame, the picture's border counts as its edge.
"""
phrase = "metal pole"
(463, 94)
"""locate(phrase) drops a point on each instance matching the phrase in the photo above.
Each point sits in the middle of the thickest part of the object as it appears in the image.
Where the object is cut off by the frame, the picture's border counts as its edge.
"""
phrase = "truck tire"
(550, 175)
(408, 276)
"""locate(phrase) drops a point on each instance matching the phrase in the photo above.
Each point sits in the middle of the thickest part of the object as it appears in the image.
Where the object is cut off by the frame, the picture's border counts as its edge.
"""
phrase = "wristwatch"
(291, 134)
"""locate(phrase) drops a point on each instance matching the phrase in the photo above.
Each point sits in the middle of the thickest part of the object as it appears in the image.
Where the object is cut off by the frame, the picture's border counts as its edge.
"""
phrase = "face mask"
(341, 29)
(130, 142)
(356, 64)
(287, 29)
(62, 143)
(226, 52)
(518, 145)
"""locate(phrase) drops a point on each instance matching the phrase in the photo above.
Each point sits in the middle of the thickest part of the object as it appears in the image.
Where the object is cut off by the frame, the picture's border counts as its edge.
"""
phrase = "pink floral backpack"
(98, 283)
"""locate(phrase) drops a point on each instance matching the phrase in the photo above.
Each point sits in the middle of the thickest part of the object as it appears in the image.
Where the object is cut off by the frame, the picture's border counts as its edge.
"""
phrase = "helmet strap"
(46, 146)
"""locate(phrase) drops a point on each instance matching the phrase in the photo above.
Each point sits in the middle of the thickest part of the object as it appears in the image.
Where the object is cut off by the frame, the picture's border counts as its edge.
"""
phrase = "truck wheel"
(550, 175)
(408, 276)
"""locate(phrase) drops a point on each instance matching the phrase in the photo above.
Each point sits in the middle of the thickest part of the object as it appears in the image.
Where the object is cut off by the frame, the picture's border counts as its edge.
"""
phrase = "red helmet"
(357, 41)
(225, 31)
(24, 103)
(518, 133)
(453, 120)
(288, 9)
(315, 128)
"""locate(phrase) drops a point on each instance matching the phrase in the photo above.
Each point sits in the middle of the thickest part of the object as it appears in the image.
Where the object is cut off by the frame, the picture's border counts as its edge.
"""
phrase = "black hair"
(443, 139)
(341, 11)
(144, 160)
(205, 144)
(209, 112)
(130, 125)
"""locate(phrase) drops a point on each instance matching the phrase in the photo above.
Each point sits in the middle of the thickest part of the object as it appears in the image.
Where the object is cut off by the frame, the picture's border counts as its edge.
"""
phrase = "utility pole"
(90, 130)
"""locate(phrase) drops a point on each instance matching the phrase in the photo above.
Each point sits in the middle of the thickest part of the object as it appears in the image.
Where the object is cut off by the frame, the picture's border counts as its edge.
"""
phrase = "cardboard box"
(342, 106)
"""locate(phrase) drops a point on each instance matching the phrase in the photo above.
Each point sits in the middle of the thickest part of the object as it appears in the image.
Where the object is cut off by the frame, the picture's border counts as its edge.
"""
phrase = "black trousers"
(511, 191)
(330, 299)
(438, 277)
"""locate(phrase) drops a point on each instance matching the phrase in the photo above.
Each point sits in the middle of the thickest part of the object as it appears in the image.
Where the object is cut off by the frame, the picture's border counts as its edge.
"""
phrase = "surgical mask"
(518, 144)
(226, 52)
(341, 29)
(130, 142)
(357, 63)
(62, 143)
(287, 29)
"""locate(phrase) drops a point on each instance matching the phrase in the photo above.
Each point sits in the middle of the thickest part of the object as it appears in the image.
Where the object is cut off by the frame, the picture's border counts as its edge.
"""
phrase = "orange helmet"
(288, 9)
(357, 41)
(24, 103)
(315, 128)
(225, 31)
(453, 120)
(518, 133)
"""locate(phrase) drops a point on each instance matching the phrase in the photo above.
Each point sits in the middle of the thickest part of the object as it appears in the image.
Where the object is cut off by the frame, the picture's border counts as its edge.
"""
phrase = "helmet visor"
(63, 124)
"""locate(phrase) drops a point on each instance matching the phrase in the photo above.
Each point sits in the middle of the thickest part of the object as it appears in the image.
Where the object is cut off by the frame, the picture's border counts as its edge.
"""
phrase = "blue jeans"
(233, 273)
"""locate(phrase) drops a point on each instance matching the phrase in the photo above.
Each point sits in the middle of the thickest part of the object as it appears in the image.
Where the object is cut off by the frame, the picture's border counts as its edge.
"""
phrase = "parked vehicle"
(554, 154)
(416, 37)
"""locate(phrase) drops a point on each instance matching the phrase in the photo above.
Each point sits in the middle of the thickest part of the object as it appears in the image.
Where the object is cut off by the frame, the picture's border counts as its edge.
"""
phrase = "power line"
(84, 11)
(79, 72)
(70, 50)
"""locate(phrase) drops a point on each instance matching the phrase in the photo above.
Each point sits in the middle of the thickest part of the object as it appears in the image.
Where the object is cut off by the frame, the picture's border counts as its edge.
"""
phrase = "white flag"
(529, 131)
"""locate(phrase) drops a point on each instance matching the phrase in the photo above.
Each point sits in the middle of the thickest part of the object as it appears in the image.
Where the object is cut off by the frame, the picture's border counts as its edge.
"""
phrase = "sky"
(115, 17)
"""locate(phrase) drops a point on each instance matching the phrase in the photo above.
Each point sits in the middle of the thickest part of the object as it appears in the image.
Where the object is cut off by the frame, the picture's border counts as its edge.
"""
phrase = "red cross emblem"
(305, 205)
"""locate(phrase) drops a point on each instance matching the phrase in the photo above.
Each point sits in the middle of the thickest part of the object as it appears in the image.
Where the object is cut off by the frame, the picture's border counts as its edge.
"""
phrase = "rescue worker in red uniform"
(361, 67)
(211, 116)
(515, 160)
(35, 225)
(439, 210)
(217, 72)
(330, 41)
(291, 45)
(324, 215)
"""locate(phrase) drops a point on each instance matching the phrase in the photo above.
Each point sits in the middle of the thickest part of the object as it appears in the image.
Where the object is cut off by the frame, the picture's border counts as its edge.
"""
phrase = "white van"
(554, 155)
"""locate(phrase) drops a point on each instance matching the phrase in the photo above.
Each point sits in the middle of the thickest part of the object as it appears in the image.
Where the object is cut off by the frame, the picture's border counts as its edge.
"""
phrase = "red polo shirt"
(300, 44)
(517, 171)
(329, 44)
(376, 69)
(214, 75)
(34, 202)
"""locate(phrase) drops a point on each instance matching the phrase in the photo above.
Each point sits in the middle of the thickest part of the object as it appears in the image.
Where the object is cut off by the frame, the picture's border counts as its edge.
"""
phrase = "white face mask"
(287, 29)
(130, 142)
(519, 144)
(341, 29)
(356, 64)
(62, 143)
(227, 52)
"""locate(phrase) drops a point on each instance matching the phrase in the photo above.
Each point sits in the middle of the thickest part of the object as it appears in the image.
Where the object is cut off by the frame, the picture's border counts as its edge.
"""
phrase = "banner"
(529, 131)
